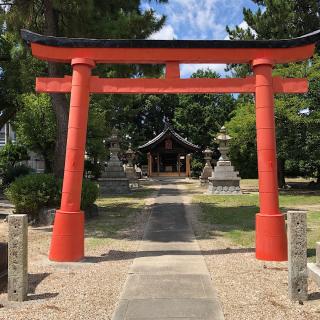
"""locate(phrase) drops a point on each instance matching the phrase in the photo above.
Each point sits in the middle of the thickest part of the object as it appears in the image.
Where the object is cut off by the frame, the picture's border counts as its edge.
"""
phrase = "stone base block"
(134, 184)
(223, 189)
(46, 216)
(114, 186)
(314, 273)
(203, 181)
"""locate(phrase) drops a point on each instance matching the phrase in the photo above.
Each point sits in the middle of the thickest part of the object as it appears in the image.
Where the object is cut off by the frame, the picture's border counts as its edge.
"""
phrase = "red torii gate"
(83, 54)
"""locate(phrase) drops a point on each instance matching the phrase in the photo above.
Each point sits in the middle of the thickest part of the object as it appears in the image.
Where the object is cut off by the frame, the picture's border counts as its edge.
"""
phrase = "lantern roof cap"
(222, 135)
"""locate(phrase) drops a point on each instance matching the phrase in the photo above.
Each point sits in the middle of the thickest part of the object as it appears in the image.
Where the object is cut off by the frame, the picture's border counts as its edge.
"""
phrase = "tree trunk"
(281, 173)
(59, 101)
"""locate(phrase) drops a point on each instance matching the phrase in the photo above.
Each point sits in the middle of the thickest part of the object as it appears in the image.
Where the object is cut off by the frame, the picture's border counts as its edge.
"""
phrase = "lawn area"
(116, 214)
(234, 216)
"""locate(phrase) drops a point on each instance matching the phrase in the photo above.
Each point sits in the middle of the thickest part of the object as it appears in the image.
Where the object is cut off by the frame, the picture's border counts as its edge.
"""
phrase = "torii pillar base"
(271, 238)
(67, 242)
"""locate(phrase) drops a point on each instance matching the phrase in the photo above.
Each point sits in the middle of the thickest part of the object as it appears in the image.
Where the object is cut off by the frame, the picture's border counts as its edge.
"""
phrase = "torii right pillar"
(271, 238)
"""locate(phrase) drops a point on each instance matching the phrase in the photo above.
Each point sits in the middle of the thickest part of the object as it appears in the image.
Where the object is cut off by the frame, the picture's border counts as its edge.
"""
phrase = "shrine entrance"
(169, 154)
(83, 54)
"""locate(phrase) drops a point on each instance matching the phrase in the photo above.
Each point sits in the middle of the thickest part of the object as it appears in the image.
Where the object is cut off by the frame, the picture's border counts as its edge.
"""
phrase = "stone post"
(318, 254)
(297, 256)
(18, 257)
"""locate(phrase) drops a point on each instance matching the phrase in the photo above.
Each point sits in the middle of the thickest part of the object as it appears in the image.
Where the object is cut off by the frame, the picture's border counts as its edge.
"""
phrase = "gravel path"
(249, 289)
(87, 290)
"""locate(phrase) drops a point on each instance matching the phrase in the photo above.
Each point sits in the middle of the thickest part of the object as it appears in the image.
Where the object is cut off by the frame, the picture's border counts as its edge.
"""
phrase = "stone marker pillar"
(18, 257)
(318, 254)
(297, 256)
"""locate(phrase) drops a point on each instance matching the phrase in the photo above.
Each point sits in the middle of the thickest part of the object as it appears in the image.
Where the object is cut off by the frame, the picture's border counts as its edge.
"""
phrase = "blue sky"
(199, 19)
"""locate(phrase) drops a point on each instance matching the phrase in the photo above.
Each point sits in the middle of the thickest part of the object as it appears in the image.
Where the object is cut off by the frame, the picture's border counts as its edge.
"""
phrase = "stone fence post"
(297, 255)
(18, 257)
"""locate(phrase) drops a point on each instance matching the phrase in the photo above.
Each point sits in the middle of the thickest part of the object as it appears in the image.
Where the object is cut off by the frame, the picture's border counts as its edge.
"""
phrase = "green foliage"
(35, 126)
(11, 154)
(90, 193)
(297, 116)
(114, 19)
(12, 173)
(199, 117)
(196, 167)
(32, 192)
(242, 129)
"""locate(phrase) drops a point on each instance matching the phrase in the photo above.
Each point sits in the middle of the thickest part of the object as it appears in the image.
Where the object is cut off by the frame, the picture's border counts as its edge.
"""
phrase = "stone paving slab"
(168, 286)
(169, 308)
(169, 264)
(168, 278)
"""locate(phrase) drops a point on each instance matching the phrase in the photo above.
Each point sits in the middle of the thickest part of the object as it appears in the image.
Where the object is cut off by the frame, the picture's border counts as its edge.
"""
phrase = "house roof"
(168, 130)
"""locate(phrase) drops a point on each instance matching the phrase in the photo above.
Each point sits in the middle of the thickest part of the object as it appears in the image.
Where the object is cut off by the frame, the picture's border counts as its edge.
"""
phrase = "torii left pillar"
(67, 242)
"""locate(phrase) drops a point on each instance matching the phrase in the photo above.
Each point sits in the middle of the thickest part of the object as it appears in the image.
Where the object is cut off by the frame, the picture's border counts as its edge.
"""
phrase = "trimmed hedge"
(32, 192)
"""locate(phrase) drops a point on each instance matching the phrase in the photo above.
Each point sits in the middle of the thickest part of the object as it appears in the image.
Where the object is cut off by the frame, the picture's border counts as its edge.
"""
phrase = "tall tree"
(200, 116)
(276, 19)
(79, 18)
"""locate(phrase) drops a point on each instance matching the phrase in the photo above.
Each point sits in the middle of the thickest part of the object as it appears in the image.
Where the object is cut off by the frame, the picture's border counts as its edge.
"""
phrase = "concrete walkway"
(168, 279)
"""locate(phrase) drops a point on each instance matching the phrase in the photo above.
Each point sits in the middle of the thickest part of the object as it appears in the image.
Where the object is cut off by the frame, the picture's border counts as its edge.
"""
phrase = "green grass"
(234, 216)
(116, 214)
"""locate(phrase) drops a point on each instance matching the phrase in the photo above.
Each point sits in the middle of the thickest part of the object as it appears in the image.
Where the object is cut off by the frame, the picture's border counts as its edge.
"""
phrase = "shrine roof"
(168, 130)
(31, 37)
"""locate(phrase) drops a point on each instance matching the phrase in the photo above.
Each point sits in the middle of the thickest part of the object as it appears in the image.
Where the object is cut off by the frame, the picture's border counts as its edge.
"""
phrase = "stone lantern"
(223, 141)
(224, 179)
(207, 170)
(130, 170)
(114, 179)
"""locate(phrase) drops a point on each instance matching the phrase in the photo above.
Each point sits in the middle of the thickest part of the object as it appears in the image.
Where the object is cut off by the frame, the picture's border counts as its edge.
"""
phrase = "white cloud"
(186, 70)
(243, 25)
(166, 33)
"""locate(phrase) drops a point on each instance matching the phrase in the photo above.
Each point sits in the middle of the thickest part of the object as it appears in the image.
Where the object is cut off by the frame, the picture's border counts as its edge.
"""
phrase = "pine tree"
(78, 18)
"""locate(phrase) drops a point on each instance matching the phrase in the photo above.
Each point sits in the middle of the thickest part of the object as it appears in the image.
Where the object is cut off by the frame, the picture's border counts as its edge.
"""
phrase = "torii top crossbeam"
(162, 51)
(171, 53)
(83, 54)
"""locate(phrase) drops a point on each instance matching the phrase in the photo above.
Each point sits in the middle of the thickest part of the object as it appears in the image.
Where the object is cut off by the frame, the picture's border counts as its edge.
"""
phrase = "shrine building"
(169, 154)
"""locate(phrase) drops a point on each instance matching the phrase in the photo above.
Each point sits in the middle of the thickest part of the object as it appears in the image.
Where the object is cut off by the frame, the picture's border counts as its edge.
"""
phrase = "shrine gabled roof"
(160, 137)
(31, 37)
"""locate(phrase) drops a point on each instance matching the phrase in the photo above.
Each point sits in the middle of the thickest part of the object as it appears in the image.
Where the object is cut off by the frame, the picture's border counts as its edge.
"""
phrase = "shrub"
(32, 192)
(90, 193)
(196, 167)
(12, 173)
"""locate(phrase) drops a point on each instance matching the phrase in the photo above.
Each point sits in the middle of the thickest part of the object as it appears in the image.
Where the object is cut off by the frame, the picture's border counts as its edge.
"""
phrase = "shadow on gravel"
(41, 296)
(35, 279)
(115, 255)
